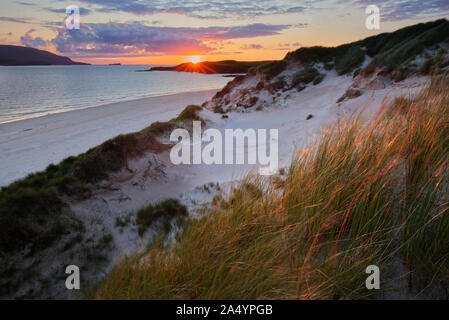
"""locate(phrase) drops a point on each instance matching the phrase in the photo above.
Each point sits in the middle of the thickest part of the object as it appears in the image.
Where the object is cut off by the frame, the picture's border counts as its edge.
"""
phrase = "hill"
(210, 67)
(25, 56)
(373, 63)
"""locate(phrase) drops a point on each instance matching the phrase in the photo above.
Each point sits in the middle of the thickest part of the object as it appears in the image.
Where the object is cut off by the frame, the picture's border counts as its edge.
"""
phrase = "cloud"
(95, 39)
(28, 40)
(397, 10)
(203, 9)
(7, 19)
(251, 46)
(301, 25)
(236, 32)
(83, 11)
(26, 3)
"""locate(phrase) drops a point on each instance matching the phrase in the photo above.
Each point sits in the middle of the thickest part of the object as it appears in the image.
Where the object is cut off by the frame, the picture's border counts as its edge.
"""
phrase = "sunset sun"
(195, 59)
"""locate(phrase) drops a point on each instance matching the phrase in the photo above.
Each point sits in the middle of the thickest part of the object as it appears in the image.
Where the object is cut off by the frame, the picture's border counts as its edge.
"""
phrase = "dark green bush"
(29, 216)
(393, 49)
(319, 79)
(189, 113)
(273, 69)
(312, 54)
(350, 60)
(328, 66)
(277, 85)
(110, 156)
(304, 76)
(157, 128)
(166, 209)
(427, 66)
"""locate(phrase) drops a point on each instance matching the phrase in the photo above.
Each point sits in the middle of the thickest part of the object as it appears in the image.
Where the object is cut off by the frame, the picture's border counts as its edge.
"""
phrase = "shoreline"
(30, 145)
(46, 114)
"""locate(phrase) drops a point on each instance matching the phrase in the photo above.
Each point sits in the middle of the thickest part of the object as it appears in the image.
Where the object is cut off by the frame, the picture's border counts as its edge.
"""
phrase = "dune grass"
(390, 51)
(33, 210)
(305, 76)
(167, 209)
(364, 193)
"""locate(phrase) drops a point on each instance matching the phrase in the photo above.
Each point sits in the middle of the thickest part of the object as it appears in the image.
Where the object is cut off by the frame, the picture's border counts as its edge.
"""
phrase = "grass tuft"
(167, 209)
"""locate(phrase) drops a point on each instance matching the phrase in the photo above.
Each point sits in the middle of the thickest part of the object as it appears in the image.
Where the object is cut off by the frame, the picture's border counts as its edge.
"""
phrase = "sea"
(34, 91)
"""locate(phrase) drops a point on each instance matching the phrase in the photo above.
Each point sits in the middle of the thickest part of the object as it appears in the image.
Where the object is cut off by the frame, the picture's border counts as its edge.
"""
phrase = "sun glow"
(195, 59)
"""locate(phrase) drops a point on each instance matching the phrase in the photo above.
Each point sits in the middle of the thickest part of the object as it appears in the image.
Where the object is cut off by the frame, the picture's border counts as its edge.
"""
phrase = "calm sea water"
(33, 91)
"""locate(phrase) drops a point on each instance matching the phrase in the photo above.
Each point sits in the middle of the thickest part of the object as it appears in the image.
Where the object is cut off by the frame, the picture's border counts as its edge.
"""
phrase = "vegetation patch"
(167, 209)
(312, 54)
(391, 50)
(304, 76)
(319, 79)
(189, 113)
(272, 69)
(350, 93)
(29, 216)
(277, 85)
(352, 58)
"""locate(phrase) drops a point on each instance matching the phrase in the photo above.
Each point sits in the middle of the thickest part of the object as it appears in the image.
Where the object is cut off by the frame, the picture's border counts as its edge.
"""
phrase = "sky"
(171, 32)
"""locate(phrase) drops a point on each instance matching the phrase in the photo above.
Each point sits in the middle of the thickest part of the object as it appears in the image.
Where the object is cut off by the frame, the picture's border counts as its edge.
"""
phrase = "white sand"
(30, 145)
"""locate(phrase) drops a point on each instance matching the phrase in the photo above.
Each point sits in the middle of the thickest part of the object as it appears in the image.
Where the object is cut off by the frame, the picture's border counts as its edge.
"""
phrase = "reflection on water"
(32, 91)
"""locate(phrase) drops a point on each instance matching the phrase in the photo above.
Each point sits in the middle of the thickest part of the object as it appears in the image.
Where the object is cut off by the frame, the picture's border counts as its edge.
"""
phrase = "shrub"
(158, 128)
(260, 85)
(350, 93)
(427, 66)
(273, 69)
(328, 66)
(276, 85)
(30, 216)
(110, 156)
(350, 60)
(189, 113)
(307, 55)
(304, 76)
(166, 209)
(219, 109)
(319, 79)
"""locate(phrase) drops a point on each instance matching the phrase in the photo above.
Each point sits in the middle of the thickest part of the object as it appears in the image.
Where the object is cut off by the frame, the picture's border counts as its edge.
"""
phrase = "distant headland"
(26, 56)
(213, 67)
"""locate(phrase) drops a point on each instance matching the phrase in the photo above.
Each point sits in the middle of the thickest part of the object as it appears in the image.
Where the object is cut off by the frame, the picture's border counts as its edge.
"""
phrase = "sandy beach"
(31, 145)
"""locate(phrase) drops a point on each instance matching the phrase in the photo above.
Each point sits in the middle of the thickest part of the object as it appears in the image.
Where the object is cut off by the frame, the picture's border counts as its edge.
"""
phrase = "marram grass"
(362, 194)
